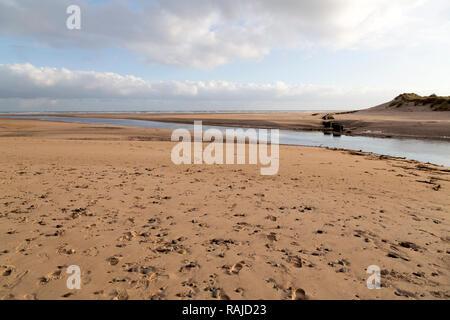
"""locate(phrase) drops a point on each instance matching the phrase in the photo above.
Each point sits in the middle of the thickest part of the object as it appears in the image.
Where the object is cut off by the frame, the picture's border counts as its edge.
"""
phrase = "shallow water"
(436, 152)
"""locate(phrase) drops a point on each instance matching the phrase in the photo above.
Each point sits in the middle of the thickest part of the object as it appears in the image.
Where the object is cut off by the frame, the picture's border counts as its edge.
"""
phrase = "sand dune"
(141, 227)
(411, 102)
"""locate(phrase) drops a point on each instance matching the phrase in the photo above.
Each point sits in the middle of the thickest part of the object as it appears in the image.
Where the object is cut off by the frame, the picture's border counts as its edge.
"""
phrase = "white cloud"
(205, 34)
(27, 87)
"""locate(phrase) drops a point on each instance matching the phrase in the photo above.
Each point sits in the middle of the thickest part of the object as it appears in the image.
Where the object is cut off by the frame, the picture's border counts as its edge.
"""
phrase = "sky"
(167, 55)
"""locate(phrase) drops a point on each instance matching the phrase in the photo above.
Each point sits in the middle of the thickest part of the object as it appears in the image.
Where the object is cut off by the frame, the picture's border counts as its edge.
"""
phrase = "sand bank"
(375, 123)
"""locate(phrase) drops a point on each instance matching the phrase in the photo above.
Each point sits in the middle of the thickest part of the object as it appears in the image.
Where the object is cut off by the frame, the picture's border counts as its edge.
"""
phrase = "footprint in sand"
(240, 291)
(119, 295)
(64, 250)
(159, 295)
(295, 261)
(91, 252)
(220, 294)
(114, 260)
(236, 268)
(298, 294)
(128, 236)
(56, 275)
(189, 266)
(7, 270)
(272, 236)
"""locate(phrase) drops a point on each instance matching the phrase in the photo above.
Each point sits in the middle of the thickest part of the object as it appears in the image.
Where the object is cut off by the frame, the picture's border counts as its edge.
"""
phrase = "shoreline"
(417, 125)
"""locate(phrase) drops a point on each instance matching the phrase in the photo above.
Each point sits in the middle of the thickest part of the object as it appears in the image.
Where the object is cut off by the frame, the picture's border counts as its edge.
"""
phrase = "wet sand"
(110, 200)
(370, 122)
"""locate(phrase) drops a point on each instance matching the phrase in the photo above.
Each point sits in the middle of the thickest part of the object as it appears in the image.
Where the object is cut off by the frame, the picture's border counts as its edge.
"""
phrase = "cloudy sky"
(222, 54)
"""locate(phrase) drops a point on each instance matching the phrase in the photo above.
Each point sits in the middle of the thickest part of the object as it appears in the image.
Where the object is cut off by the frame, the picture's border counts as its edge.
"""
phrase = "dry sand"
(141, 227)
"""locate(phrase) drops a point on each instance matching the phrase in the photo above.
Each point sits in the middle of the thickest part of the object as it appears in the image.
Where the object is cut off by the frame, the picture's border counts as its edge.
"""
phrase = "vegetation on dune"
(437, 103)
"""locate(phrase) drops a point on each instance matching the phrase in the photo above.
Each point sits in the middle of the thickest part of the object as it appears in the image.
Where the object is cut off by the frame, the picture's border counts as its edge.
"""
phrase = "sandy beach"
(110, 200)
